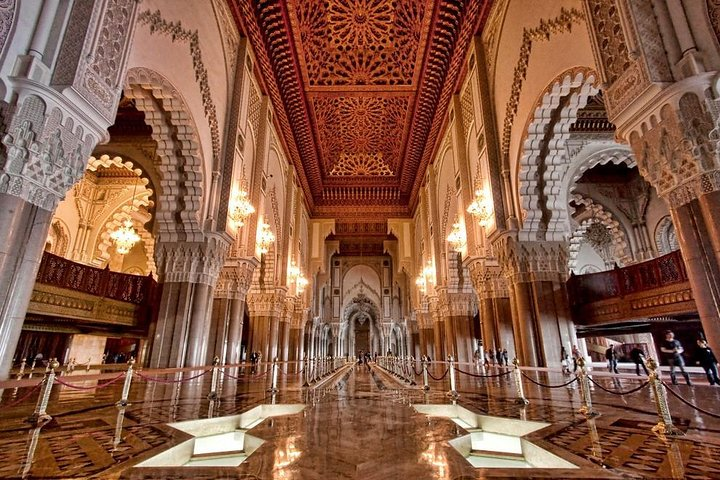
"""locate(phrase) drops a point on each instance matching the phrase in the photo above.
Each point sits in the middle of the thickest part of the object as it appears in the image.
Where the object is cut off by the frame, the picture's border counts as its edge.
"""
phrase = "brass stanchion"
(584, 380)
(426, 384)
(665, 425)
(518, 383)
(274, 376)
(40, 415)
(123, 402)
(453, 389)
(213, 381)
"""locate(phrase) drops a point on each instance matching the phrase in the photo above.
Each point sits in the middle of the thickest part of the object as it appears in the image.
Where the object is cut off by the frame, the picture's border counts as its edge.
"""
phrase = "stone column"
(52, 120)
(266, 309)
(229, 308)
(536, 274)
(188, 272)
(456, 310)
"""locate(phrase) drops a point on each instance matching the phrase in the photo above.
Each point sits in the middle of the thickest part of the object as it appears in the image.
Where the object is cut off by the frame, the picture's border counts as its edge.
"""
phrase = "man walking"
(672, 351)
(611, 357)
(708, 362)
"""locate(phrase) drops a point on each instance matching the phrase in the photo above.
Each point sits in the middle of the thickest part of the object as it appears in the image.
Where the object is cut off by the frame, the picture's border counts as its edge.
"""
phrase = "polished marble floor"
(361, 424)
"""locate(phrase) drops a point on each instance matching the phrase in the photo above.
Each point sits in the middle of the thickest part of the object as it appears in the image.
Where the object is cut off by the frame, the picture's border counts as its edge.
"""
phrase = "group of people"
(672, 352)
(493, 357)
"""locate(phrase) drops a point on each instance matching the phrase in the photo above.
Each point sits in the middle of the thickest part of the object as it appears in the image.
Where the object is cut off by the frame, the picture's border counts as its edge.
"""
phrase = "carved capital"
(455, 304)
(192, 262)
(235, 278)
(487, 279)
(266, 303)
(532, 261)
(678, 150)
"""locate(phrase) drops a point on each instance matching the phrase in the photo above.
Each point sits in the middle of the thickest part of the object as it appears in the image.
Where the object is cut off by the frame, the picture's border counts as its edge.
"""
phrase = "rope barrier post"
(518, 383)
(214, 379)
(426, 383)
(453, 389)
(123, 402)
(274, 376)
(665, 424)
(584, 381)
(306, 364)
(22, 370)
(40, 415)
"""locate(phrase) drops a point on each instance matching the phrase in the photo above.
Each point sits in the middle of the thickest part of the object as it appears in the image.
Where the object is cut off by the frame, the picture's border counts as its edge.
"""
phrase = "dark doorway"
(362, 335)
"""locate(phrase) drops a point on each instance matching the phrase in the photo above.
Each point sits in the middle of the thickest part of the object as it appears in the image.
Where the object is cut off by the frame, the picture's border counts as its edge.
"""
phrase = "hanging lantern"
(241, 208)
(125, 237)
(479, 208)
(456, 239)
(265, 238)
(301, 282)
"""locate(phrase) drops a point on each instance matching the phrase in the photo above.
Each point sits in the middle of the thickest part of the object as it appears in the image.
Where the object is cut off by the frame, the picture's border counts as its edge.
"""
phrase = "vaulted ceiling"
(361, 90)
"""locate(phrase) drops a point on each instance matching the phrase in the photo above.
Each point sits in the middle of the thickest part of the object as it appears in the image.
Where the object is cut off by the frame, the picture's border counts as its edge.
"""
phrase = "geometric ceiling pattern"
(365, 86)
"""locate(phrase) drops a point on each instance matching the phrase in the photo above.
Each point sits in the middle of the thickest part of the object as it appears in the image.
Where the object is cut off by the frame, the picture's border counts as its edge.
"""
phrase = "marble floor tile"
(360, 424)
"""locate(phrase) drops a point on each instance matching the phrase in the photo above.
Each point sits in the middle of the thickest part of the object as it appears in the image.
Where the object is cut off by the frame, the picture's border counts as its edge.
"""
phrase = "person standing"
(638, 356)
(505, 356)
(575, 356)
(708, 362)
(672, 350)
(611, 357)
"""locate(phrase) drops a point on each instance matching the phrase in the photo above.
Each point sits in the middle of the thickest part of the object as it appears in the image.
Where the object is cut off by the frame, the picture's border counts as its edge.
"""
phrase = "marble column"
(181, 332)
(48, 131)
(22, 239)
(266, 310)
(696, 223)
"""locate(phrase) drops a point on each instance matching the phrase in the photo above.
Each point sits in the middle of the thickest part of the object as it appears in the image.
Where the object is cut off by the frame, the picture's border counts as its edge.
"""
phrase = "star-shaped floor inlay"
(495, 442)
(219, 442)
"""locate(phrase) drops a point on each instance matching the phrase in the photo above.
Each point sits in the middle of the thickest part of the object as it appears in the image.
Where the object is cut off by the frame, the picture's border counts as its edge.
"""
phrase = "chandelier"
(421, 282)
(125, 237)
(265, 238)
(240, 207)
(479, 208)
(301, 282)
(456, 239)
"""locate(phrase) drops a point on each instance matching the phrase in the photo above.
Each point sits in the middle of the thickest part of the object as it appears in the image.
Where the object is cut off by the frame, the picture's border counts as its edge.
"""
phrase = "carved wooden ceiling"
(365, 87)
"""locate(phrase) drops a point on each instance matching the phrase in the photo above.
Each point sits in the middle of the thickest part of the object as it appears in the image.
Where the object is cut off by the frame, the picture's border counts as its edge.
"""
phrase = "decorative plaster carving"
(45, 154)
(666, 239)
(235, 278)
(196, 262)
(178, 154)
(266, 303)
(7, 15)
(545, 162)
(176, 32)
(543, 32)
(230, 34)
(530, 261)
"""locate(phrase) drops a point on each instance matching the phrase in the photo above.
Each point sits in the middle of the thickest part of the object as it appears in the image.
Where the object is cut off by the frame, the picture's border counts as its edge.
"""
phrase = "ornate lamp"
(240, 206)
(301, 282)
(421, 282)
(456, 239)
(125, 237)
(265, 238)
(429, 272)
(479, 207)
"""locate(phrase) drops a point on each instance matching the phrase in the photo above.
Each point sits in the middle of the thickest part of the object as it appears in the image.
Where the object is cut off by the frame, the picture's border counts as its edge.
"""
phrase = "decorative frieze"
(266, 303)
(235, 278)
(191, 262)
(530, 261)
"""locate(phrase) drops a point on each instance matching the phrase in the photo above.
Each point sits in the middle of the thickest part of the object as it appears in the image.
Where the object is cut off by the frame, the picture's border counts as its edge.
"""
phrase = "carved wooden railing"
(63, 273)
(653, 288)
(66, 289)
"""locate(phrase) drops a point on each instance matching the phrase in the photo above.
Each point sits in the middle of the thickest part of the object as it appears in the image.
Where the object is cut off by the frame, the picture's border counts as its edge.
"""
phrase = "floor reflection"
(357, 425)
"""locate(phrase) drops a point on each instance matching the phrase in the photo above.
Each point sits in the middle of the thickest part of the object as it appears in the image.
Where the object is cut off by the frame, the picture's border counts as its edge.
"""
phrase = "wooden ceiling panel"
(365, 86)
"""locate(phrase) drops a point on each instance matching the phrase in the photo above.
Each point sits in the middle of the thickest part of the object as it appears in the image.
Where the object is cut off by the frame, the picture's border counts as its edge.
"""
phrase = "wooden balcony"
(68, 290)
(658, 287)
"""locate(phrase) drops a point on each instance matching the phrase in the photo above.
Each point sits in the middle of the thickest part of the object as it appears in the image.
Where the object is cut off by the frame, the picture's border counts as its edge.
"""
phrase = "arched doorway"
(362, 333)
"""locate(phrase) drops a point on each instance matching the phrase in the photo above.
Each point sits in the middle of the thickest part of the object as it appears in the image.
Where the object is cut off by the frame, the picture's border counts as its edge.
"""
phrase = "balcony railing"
(656, 287)
(63, 273)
